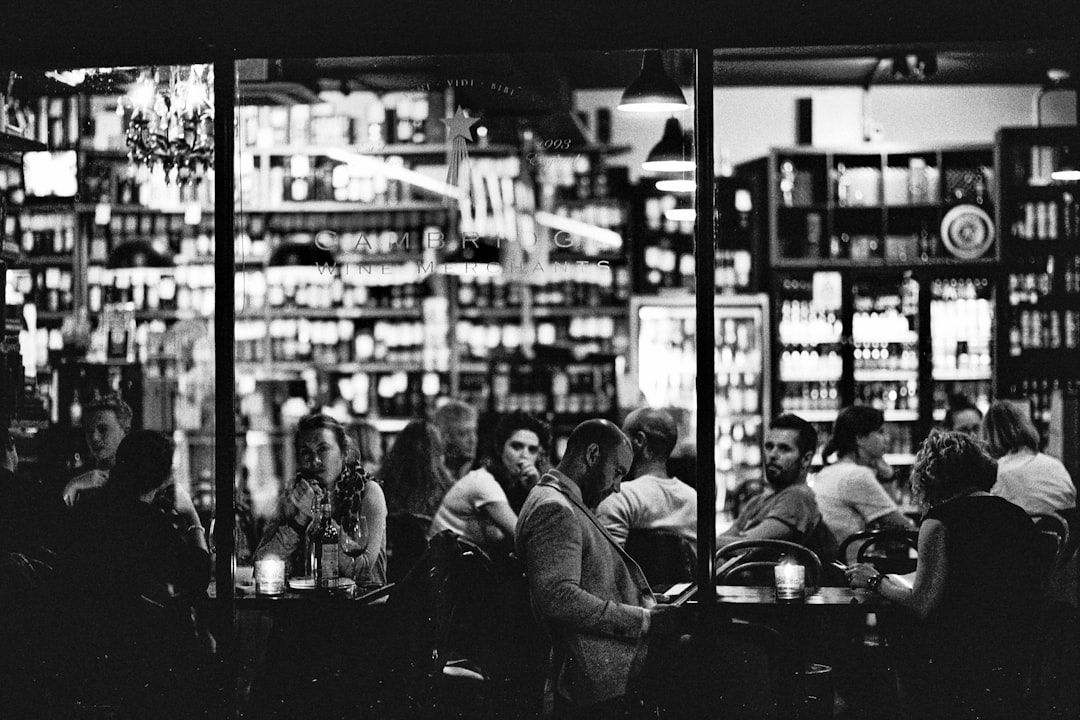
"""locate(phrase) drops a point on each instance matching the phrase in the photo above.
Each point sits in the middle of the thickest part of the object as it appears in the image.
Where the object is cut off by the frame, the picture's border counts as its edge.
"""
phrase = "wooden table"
(826, 596)
(765, 595)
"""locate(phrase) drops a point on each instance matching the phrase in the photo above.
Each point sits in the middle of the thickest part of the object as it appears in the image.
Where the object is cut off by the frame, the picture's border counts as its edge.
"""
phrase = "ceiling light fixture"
(672, 153)
(681, 214)
(653, 90)
(684, 184)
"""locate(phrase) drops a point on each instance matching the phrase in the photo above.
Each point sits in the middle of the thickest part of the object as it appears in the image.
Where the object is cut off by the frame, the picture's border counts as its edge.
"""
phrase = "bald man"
(592, 598)
(650, 499)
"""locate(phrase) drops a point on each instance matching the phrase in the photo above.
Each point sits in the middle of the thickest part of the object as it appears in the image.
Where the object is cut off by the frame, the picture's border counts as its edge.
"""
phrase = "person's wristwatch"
(874, 581)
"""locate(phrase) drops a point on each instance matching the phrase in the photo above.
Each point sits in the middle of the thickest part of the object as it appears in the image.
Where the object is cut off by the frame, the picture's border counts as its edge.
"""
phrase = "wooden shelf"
(877, 264)
(404, 149)
(133, 209)
(961, 375)
(45, 260)
(14, 143)
(572, 312)
(816, 416)
(332, 206)
(875, 375)
(294, 368)
(343, 313)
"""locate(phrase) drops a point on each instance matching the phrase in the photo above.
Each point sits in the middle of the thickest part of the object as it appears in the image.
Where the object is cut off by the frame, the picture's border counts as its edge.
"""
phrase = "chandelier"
(170, 121)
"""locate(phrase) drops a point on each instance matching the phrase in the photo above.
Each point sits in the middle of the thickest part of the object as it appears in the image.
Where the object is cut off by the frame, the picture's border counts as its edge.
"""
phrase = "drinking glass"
(354, 534)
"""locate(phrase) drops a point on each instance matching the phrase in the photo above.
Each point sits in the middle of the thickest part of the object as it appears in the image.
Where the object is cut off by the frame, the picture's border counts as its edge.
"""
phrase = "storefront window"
(413, 230)
(107, 177)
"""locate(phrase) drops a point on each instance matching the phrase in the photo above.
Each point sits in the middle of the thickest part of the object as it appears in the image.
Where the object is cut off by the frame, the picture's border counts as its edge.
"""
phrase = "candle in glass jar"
(790, 581)
(270, 576)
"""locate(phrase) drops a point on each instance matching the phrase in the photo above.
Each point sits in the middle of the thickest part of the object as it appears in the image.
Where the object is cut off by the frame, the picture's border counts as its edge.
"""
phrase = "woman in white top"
(848, 491)
(480, 506)
(1026, 477)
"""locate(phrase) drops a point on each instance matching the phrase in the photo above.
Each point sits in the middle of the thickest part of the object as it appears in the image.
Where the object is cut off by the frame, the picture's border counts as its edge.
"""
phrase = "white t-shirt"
(850, 497)
(1036, 482)
(650, 503)
(461, 512)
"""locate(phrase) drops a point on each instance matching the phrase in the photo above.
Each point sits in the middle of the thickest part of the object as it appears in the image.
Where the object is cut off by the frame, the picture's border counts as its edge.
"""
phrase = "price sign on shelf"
(827, 292)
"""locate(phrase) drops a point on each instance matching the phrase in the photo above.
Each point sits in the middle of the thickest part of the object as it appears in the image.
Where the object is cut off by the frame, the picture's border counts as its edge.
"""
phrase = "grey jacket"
(589, 594)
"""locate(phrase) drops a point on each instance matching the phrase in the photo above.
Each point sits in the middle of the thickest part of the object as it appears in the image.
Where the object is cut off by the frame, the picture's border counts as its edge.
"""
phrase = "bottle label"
(328, 563)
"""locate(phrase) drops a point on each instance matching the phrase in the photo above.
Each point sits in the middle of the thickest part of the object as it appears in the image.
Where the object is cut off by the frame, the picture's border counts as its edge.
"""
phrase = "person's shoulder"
(1049, 463)
(479, 476)
(374, 490)
(799, 490)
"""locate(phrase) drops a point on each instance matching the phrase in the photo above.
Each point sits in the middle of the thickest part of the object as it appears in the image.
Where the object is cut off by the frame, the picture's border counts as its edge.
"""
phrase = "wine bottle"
(325, 550)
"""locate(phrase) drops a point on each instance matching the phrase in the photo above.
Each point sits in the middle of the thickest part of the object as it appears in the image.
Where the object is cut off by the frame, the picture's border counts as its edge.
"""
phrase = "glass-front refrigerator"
(663, 360)
(962, 322)
(885, 336)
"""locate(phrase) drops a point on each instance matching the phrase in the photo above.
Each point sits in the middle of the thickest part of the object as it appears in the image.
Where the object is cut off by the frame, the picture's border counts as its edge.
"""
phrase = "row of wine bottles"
(1044, 329)
(1048, 220)
(364, 121)
(1031, 287)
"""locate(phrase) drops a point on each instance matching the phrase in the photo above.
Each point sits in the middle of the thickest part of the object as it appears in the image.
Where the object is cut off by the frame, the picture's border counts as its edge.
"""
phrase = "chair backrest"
(665, 557)
(406, 541)
(1050, 547)
(1052, 522)
(1053, 541)
(759, 556)
(894, 545)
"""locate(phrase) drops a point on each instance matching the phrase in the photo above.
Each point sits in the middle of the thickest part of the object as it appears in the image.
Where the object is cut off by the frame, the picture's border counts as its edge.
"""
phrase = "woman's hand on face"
(858, 575)
(528, 473)
(302, 499)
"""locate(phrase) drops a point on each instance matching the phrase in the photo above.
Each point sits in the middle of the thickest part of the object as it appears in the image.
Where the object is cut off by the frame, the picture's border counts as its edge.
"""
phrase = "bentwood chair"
(893, 549)
(752, 561)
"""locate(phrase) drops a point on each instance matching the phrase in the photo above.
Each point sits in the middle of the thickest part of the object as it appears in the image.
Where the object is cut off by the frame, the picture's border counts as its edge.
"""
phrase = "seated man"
(594, 601)
(107, 421)
(787, 510)
(650, 499)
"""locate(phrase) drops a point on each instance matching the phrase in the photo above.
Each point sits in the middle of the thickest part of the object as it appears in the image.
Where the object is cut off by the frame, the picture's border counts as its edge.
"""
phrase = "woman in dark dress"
(975, 593)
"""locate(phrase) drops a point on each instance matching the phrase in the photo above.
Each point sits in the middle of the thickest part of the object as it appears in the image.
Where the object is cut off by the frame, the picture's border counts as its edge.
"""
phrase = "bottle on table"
(325, 553)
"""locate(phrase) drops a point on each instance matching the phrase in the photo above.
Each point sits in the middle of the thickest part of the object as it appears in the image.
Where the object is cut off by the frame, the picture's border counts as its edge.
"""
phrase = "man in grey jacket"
(591, 596)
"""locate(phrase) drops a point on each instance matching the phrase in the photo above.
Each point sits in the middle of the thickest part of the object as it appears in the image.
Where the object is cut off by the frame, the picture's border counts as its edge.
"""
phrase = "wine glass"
(354, 534)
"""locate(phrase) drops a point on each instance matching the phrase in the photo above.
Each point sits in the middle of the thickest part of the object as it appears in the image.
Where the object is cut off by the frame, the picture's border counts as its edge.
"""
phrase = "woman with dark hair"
(1033, 480)
(413, 473)
(481, 505)
(848, 492)
(329, 463)
(974, 593)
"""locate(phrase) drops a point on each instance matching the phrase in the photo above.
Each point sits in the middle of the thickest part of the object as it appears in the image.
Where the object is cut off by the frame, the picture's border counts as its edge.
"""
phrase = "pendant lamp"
(652, 90)
(672, 153)
(684, 183)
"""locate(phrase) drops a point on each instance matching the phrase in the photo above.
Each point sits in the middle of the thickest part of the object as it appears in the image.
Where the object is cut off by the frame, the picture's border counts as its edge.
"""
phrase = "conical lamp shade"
(653, 90)
(671, 154)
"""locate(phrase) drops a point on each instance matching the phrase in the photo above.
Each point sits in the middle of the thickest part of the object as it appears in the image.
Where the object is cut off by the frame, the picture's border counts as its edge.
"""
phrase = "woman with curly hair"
(974, 592)
(329, 463)
(413, 473)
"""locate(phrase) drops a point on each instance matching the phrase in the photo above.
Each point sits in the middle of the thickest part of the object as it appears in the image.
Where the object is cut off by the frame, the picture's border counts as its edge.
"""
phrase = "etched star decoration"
(459, 126)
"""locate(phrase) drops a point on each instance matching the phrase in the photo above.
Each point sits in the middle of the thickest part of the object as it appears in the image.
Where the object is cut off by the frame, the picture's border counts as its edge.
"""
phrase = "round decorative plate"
(967, 231)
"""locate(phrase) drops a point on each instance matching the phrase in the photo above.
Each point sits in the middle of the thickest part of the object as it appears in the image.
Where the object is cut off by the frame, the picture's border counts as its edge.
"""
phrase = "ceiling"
(999, 64)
